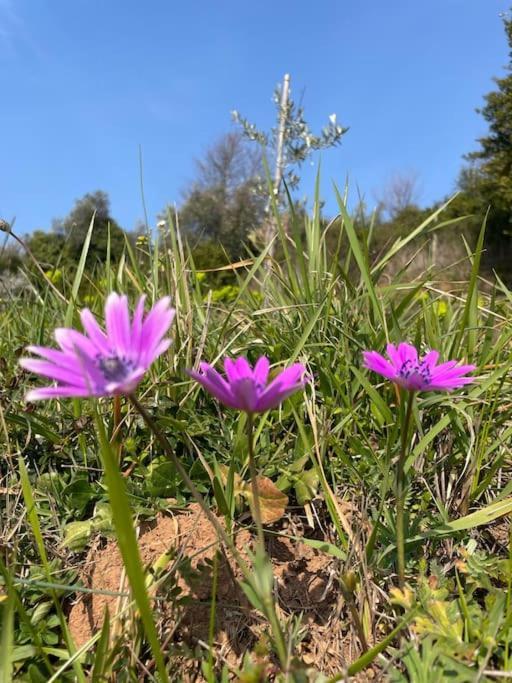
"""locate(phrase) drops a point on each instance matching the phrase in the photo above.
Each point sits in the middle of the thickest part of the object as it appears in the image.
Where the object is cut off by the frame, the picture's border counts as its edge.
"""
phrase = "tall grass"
(322, 301)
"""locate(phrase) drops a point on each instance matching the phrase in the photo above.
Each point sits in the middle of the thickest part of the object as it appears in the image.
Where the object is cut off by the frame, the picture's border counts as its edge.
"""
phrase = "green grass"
(322, 302)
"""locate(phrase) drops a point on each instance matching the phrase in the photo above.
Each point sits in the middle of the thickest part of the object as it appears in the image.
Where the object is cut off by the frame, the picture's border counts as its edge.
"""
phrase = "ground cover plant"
(300, 519)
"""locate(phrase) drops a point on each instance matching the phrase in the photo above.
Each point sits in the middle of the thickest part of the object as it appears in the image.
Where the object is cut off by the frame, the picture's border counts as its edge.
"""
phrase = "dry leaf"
(273, 502)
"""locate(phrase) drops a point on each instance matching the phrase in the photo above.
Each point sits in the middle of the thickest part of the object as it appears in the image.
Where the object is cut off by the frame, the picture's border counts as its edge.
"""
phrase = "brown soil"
(305, 583)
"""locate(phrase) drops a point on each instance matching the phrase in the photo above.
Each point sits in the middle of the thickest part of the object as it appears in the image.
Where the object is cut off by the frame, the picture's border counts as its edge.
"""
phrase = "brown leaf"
(273, 502)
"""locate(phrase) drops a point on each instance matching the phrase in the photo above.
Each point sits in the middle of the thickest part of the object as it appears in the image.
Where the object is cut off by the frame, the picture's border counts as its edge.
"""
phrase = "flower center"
(114, 369)
(416, 371)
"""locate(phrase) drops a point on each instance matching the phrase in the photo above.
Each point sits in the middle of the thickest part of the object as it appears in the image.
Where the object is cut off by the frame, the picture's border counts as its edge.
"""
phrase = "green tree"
(10, 258)
(47, 248)
(73, 228)
(489, 181)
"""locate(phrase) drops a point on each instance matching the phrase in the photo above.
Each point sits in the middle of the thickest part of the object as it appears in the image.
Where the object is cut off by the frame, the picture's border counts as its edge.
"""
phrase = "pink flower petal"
(231, 369)
(215, 384)
(154, 327)
(374, 361)
(414, 374)
(61, 358)
(60, 374)
(450, 373)
(430, 359)
(407, 352)
(237, 369)
(128, 385)
(99, 363)
(70, 340)
(94, 332)
(269, 400)
(244, 387)
(245, 393)
(137, 328)
(443, 367)
(286, 383)
(261, 370)
(44, 393)
(117, 320)
(393, 355)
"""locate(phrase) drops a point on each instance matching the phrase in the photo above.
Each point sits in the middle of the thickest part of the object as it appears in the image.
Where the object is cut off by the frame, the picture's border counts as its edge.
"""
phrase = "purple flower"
(246, 388)
(98, 363)
(406, 369)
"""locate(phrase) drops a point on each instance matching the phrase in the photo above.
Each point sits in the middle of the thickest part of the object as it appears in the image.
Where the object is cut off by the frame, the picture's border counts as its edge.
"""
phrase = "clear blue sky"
(85, 82)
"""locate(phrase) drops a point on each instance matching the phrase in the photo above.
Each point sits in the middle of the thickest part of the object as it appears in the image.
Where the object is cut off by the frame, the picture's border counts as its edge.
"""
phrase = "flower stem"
(401, 490)
(166, 446)
(256, 507)
(115, 440)
(269, 607)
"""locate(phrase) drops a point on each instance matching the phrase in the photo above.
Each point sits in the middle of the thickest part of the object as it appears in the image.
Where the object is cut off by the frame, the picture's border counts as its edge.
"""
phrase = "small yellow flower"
(440, 308)
(54, 275)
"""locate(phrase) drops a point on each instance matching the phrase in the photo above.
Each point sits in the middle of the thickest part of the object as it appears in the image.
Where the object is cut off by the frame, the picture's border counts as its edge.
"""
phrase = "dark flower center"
(418, 370)
(114, 369)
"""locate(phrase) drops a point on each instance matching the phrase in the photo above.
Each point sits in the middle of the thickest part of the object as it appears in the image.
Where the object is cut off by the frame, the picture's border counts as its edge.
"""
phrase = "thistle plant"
(412, 374)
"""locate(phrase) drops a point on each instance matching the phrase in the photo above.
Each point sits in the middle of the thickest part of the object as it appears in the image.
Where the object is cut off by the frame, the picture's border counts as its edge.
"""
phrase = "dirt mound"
(180, 550)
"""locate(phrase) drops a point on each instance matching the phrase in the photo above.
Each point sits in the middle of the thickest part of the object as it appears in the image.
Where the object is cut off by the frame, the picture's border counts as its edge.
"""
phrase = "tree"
(288, 145)
(10, 258)
(47, 248)
(400, 193)
(73, 228)
(291, 141)
(489, 180)
(222, 204)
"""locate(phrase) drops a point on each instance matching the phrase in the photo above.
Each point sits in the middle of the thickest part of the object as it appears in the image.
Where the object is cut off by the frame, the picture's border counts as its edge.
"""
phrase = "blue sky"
(84, 83)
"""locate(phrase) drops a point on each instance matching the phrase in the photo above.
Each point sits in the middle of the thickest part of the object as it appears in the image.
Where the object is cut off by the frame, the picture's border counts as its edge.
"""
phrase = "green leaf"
(220, 499)
(100, 656)
(78, 494)
(7, 640)
(306, 487)
(323, 546)
(483, 516)
(367, 658)
(361, 260)
(162, 480)
(77, 534)
(79, 275)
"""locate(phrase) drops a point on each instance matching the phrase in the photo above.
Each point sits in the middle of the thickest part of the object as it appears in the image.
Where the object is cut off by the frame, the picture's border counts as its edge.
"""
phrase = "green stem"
(115, 441)
(270, 612)
(256, 507)
(127, 543)
(166, 446)
(401, 490)
(213, 611)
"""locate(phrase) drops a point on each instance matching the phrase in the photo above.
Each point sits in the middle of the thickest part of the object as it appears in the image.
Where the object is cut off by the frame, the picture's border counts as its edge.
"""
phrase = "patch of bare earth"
(305, 583)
